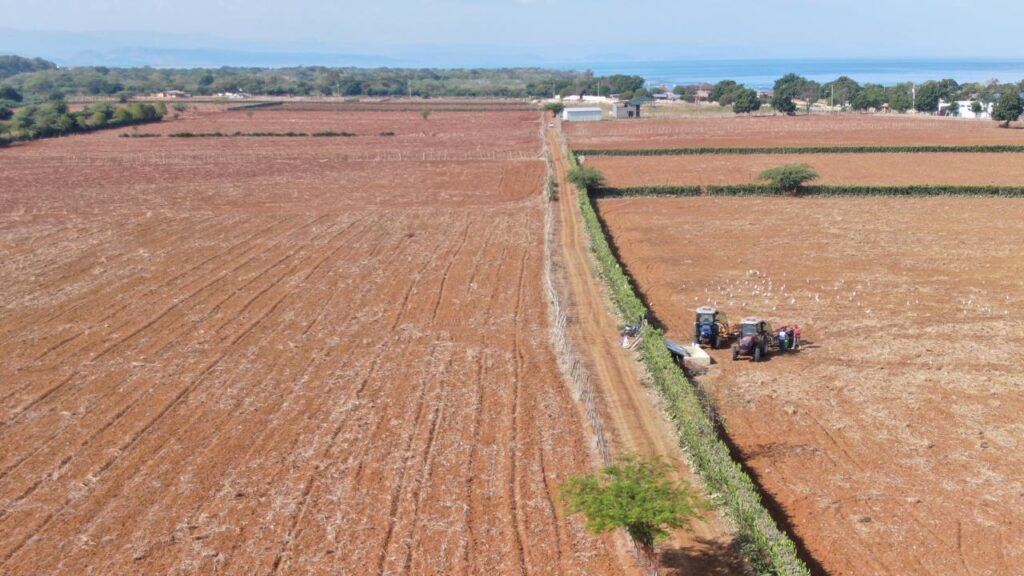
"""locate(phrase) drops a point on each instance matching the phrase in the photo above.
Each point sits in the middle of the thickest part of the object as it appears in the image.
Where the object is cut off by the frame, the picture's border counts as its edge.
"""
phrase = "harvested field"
(856, 169)
(247, 356)
(893, 440)
(748, 132)
(459, 135)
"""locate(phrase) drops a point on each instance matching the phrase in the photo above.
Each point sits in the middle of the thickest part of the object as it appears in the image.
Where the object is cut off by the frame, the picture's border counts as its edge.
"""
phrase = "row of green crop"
(768, 549)
(820, 191)
(701, 151)
(254, 106)
(395, 109)
(324, 134)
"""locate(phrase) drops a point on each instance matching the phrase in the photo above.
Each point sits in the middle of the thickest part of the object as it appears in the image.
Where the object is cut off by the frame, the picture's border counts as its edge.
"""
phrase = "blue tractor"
(711, 327)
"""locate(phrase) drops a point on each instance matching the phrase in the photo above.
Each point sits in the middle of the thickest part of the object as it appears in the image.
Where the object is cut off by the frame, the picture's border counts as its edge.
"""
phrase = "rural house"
(626, 110)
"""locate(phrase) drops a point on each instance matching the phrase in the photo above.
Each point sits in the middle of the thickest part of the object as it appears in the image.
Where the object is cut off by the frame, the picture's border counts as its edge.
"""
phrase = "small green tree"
(782, 102)
(722, 88)
(586, 177)
(746, 101)
(789, 177)
(1008, 109)
(928, 96)
(555, 107)
(900, 101)
(976, 107)
(425, 114)
(636, 494)
(9, 93)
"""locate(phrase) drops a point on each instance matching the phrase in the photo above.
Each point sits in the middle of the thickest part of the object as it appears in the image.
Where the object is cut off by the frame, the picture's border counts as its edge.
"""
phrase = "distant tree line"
(11, 65)
(844, 92)
(43, 81)
(54, 119)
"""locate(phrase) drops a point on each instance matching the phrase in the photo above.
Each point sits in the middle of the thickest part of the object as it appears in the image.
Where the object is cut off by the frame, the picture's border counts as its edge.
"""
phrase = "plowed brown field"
(747, 132)
(893, 439)
(284, 355)
(856, 169)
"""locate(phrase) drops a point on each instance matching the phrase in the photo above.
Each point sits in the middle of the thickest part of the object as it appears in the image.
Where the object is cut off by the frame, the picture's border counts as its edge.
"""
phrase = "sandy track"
(746, 132)
(629, 407)
(299, 367)
(893, 440)
(856, 169)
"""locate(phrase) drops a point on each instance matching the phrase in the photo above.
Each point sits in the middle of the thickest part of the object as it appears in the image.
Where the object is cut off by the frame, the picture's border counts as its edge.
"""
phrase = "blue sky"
(550, 30)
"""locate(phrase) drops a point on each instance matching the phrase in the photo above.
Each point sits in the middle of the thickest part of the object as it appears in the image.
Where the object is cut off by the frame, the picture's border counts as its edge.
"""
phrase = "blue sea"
(761, 74)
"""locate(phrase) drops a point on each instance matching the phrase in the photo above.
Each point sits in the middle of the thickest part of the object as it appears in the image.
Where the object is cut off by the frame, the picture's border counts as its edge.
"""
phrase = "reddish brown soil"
(865, 169)
(746, 132)
(248, 356)
(893, 440)
(444, 135)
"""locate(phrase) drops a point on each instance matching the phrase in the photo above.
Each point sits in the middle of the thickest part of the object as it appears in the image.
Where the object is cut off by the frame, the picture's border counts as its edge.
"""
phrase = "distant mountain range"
(162, 50)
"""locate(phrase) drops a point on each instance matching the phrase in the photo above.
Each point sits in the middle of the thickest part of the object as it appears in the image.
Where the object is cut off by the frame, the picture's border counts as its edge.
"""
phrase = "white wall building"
(582, 114)
(964, 109)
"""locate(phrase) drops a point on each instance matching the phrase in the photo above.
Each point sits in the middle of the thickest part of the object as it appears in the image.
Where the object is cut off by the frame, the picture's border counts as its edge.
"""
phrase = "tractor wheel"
(735, 353)
(757, 354)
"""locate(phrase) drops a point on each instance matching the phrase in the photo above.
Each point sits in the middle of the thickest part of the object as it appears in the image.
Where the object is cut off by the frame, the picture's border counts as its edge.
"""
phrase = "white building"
(582, 114)
(964, 109)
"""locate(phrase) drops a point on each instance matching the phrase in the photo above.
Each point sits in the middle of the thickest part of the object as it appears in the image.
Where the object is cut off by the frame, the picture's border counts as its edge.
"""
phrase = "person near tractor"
(783, 338)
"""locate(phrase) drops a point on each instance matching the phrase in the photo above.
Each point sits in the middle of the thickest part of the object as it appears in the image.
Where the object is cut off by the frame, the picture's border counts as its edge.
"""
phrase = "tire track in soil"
(448, 269)
(104, 296)
(308, 486)
(215, 442)
(130, 301)
(407, 291)
(312, 406)
(102, 429)
(121, 413)
(470, 543)
(197, 417)
(517, 359)
(424, 477)
(120, 450)
(132, 305)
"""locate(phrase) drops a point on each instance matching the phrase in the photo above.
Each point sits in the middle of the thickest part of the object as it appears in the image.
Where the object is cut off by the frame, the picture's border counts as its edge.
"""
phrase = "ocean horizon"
(762, 73)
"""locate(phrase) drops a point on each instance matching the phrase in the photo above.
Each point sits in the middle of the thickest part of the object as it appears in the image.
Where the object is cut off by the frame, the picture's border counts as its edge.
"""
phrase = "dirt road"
(630, 411)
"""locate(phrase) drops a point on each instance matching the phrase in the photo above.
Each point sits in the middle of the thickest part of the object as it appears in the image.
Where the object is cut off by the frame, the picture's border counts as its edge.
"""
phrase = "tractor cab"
(755, 336)
(707, 315)
(753, 325)
(710, 326)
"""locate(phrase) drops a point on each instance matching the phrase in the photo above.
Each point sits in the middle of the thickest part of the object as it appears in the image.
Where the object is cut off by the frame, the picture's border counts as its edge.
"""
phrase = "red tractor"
(754, 339)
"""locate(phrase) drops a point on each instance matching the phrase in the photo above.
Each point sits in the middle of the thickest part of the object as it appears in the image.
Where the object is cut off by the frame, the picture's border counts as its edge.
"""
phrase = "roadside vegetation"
(701, 151)
(768, 549)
